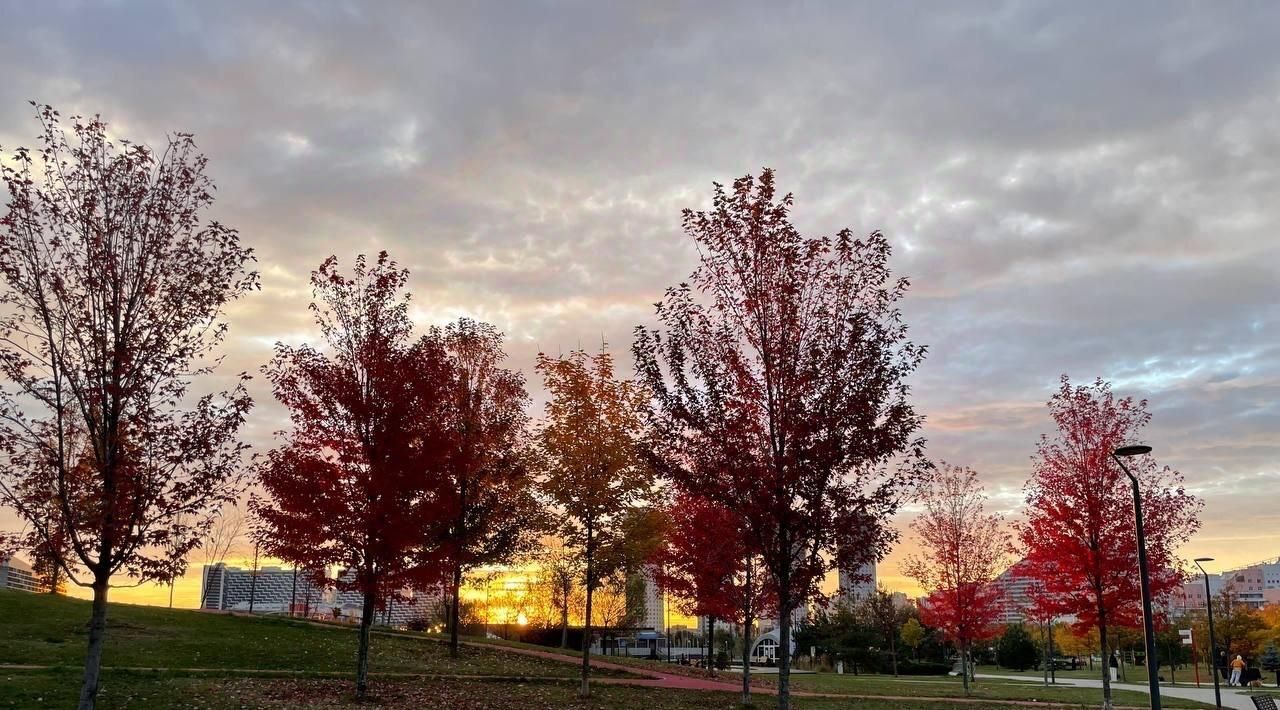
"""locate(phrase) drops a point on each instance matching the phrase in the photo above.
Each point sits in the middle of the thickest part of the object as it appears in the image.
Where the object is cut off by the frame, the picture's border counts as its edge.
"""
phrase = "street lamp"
(1213, 643)
(1153, 671)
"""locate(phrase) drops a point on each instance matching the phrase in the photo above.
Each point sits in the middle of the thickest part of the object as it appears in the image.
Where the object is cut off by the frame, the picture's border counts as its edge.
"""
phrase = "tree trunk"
(1047, 661)
(453, 611)
(362, 656)
(93, 659)
(585, 690)
(1053, 670)
(964, 665)
(1106, 664)
(746, 659)
(564, 622)
(747, 619)
(711, 644)
(784, 650)
(893, 654)
(253, 580)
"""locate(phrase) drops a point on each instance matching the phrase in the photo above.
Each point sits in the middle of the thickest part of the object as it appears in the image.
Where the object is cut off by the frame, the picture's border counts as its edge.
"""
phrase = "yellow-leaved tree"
(593, 472)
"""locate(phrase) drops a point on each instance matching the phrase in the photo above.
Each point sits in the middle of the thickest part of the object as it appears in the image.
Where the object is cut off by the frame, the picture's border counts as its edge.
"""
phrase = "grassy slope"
(50, 631)
(44, 630)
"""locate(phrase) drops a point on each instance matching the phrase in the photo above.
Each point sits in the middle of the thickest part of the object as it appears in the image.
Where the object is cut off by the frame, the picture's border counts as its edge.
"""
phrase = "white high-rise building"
(1016, 593)
(858, 584)
(651, 599)
(272, 592)
(395, 613)
(16, 574)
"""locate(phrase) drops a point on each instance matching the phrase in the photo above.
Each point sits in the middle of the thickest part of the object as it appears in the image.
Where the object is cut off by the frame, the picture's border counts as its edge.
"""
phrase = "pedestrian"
(1115, 668)
(1237, 667)
(1223, 665)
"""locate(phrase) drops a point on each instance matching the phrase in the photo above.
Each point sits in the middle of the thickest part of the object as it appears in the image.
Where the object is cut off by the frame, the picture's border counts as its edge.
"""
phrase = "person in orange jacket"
(1237, 667)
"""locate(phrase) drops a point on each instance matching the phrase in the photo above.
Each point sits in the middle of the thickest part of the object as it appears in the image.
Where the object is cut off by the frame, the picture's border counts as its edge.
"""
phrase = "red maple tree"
(1079, 532)
(699, 559)
(963, 548)
(357, 481)
(705, 562)
(488, 484)
(699, 556)
(111, 308)
(779, 383)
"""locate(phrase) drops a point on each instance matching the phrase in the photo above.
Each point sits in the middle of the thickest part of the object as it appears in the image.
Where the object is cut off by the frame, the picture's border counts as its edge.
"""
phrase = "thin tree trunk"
(784, 649)
(362, 656)
(453, 611)
(964, 666)
(564, 622)
(1106, 664)
(1053, 671)
(1047, 661)
(253, 581)
(893, 654)
(711, 644)
(585, 690)
(93, 658)
(747, 618)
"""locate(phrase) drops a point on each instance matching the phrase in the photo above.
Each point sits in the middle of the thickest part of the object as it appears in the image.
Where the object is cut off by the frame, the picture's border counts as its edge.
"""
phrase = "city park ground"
(157, 657)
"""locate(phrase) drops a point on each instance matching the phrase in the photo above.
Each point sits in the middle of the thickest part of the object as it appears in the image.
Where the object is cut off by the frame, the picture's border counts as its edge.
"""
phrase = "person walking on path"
(1237, 667)
(1115, 668)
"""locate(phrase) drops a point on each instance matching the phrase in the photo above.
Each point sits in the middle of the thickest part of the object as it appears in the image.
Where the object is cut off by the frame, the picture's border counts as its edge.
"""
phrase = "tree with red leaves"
(698, 556)
(112, 301)
(356, 483)
(779, 385)
(1079, 533)
(488, 484)
(704, 561)
(591, 463)
(963, 549)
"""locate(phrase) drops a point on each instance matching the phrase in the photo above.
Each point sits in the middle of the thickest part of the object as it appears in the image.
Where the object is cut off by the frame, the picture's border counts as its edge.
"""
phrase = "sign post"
(1189, 640)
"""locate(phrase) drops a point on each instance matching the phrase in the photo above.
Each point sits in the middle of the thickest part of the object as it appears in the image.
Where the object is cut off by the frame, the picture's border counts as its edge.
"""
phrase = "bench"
(1264, 702)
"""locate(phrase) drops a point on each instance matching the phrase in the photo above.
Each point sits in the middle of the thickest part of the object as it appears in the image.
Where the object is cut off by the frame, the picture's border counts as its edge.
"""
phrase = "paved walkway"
(658, 679)
(1231, 697)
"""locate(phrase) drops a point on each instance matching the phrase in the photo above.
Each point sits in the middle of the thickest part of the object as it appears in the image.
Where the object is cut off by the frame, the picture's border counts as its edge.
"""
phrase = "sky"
(1072, 188)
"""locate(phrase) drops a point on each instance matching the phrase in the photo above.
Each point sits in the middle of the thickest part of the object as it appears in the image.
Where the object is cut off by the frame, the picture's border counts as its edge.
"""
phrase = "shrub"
(908, 667)
(417, 623)
(1015, 649)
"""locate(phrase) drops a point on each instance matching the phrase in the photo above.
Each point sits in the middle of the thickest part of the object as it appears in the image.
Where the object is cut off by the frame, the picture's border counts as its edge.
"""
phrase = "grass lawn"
(57, 689)
(39, 629)
(1095, 674)
(931, 686)
(220, 661)
(1186, 675)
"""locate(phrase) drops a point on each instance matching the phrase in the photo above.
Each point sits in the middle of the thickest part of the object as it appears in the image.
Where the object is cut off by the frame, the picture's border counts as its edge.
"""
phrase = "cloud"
(1086, 189)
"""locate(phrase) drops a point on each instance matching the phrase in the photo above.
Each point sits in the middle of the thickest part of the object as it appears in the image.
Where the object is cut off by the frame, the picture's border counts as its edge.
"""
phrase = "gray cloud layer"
(1085, 188)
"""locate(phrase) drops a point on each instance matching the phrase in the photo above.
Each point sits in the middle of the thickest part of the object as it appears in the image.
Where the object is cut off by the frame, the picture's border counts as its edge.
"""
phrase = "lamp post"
(1213, 641)
(1148, 625)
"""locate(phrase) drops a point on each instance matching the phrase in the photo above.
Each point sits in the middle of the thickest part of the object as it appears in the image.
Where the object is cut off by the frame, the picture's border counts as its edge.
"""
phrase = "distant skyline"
(1086, 189)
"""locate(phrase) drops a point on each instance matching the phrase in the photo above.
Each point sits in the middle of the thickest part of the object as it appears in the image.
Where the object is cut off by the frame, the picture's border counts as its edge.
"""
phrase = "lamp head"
(1132, 450)
(1203, 559)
